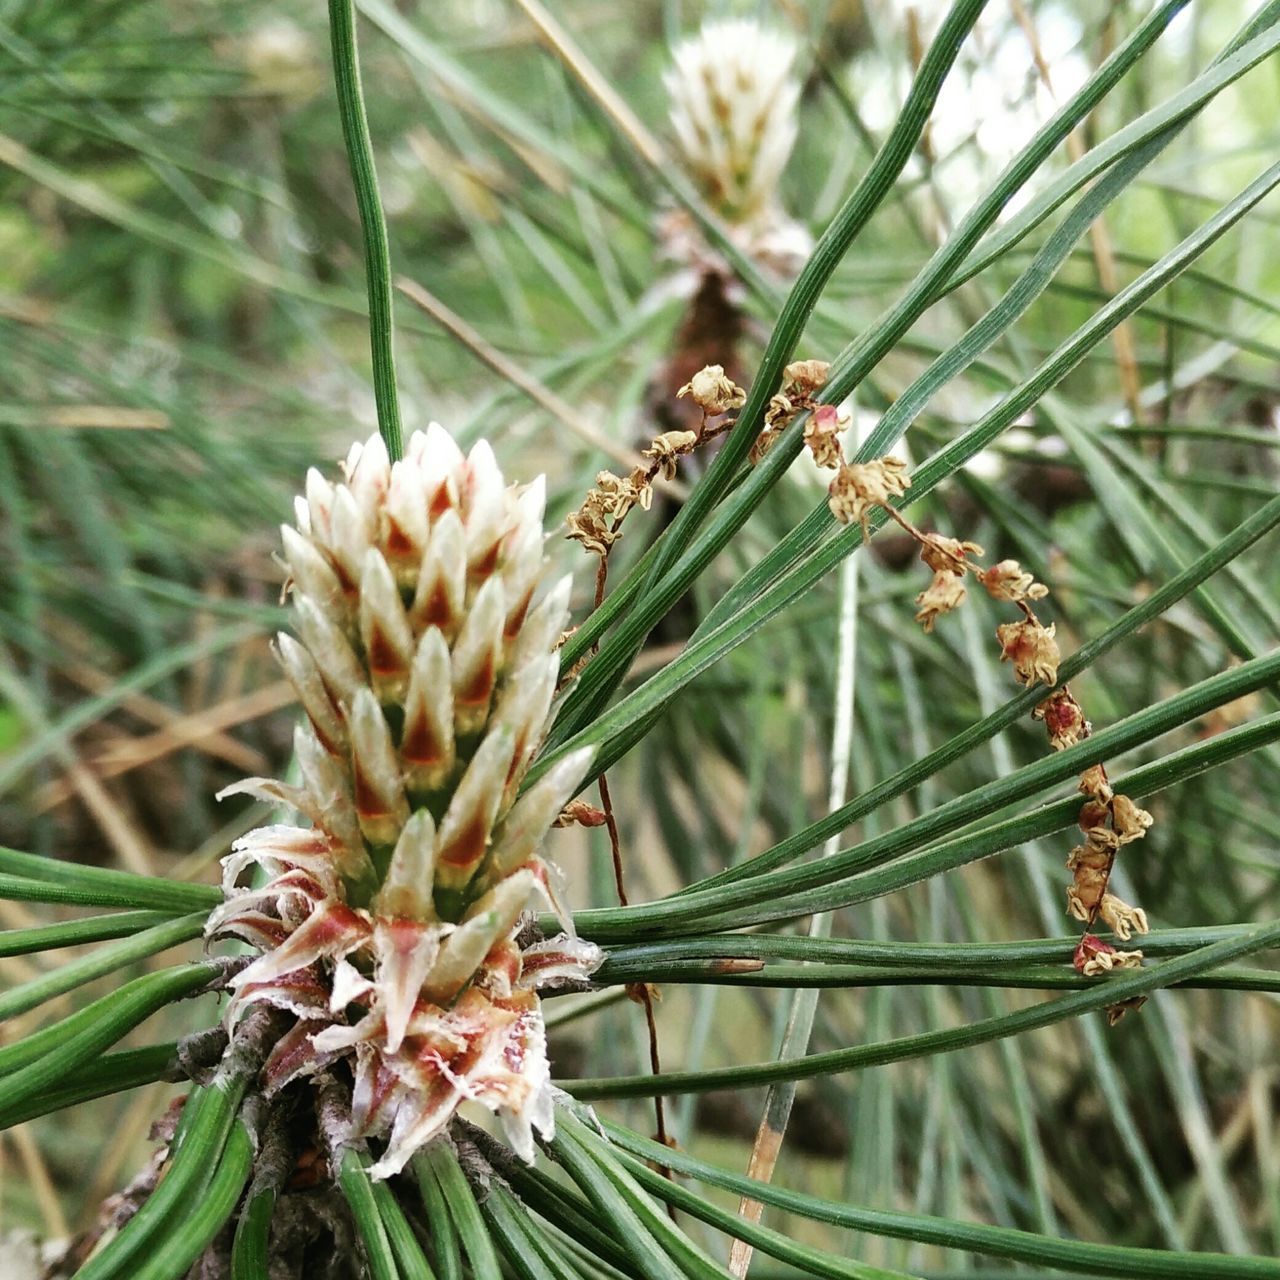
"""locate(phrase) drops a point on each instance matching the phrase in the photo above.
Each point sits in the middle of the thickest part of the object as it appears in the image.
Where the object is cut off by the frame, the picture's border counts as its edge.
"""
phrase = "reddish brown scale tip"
(421, 748)
(333, 748)
(437, 611)
(1093, 813)
(477, 691)
(368, 802)
(441, 502)
(383, 658)
(350, 587)
(515, 620)
(1087, 948)
(468, 848)
(484, 567)
(399, 546)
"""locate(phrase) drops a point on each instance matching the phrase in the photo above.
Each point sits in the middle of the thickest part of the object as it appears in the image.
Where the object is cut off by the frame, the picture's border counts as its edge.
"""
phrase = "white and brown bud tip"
(426, 665)
(734, 112)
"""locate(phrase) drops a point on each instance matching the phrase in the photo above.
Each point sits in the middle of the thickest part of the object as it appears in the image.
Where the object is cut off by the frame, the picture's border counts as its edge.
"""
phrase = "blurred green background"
(182, 333)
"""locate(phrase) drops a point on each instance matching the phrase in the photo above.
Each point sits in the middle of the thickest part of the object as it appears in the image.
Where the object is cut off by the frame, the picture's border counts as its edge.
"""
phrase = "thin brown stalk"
(94, 416)
(160, 715)
(127, 753)
(562, 44)
(1099, 237)
(41, 1184)
(524, 381)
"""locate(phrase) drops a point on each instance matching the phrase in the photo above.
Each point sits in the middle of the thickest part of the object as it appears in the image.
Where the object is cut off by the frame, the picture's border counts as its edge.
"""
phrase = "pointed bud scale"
(416, 1122)
(489, 920)
(293, 1057)
(349, 985)
(352, 537)
(352, 460)
(440, 597)
(543, 627)
(443, 465)
(427, 667)
(531, 504)
(525, 827)
(334, 657)
(521, 568)
(319, 506)
(312, 573)
(406, 891)
(525, 706)
(476, 656)
(274, 849)
(426, 743)
(331, 930)
(328, 784)
(269, 791)
(300, 668)
(368, 472)
(407, 522)
(384, 629)
(466, 826)
(379, 794)
(406, 953)
(486, 511)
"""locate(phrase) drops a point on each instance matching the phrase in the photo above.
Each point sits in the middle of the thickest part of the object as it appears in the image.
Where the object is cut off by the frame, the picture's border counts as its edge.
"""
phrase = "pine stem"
(373, 222)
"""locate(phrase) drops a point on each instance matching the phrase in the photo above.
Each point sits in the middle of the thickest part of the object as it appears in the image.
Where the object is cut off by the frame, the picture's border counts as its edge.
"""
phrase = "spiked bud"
(734, 101)
(427, 667)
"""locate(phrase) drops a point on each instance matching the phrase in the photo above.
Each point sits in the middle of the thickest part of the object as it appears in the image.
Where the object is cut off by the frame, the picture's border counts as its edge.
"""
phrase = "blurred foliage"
(181, 316)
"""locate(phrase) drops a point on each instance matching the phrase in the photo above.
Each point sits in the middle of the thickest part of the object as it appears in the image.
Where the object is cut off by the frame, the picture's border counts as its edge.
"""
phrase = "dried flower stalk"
(1108, 820)
(597, 524)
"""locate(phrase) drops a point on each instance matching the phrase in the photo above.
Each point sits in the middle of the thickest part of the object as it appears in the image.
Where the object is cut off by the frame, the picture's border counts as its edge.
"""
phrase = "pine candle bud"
(426, 667)
(734, 111)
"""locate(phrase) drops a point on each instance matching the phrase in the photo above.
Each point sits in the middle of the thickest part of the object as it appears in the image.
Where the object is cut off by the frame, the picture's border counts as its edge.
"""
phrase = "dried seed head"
(1093, 782)
(427, 670)
(667, 448)
(1124, 1007)
(822, 434)
(1031, 648)
(947, 555)
(1123, 919)
(802, 378)
(591, 527)
(1091, 868)
(1008, 581)
(860, 486)
(1063, 719)
(946, 592)
(578, 813)
(1130, 822)
(1094, 957)
(713, 391)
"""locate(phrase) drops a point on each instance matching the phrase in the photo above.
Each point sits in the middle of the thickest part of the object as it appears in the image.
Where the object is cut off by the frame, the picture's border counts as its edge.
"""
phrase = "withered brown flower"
(1063, 719)
(1031, 648)
(946, 592)
(860, 486)
(822, 435)
(713, 391)
(1009, 581)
